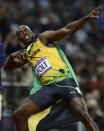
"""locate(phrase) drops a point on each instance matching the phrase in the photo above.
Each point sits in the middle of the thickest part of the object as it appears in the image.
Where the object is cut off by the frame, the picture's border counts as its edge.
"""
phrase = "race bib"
(42, 66)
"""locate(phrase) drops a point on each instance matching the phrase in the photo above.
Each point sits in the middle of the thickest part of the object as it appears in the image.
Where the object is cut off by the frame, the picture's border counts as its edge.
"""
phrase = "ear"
(17, 38)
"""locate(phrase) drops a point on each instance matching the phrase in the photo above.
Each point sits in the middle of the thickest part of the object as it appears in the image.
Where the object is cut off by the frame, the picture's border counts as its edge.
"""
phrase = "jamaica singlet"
(46, 62)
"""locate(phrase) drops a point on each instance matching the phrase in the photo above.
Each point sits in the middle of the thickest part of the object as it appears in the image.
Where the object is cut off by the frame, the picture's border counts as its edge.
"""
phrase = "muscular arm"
(15, 60)
(65, 31)
(69, 28)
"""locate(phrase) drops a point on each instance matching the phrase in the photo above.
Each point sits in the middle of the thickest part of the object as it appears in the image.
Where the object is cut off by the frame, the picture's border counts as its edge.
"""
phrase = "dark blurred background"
(85, 50)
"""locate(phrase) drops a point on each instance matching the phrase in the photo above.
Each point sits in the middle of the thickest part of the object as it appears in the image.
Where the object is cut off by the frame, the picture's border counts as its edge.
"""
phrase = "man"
(59, 85)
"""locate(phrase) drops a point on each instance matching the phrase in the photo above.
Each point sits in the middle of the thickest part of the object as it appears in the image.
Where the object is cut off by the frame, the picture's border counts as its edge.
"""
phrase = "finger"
(95, 17)
(95, 13)
(98, 9)
(16, 60)
(22, 50)
(19, 54)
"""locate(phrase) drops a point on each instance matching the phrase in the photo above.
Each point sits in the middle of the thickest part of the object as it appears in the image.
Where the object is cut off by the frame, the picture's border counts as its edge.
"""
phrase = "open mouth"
(27, 37)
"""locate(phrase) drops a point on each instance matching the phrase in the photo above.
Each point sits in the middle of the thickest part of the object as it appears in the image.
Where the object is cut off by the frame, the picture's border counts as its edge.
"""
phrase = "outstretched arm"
(69, 28)
(15, 60)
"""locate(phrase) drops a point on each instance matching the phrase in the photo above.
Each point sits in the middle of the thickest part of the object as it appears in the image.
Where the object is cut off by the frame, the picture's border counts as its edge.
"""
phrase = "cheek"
(20, 39)
(28, 33)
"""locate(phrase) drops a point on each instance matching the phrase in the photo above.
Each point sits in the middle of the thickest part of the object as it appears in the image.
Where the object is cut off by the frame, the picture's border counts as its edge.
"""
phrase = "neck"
(32, 39)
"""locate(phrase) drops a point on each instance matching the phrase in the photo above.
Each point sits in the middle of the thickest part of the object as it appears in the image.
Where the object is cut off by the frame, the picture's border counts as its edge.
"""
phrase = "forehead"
(22, 28)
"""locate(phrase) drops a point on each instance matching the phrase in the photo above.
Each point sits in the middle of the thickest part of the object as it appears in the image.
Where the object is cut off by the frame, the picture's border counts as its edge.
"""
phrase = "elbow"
(8, 64)
(5, 67)
(67, 31)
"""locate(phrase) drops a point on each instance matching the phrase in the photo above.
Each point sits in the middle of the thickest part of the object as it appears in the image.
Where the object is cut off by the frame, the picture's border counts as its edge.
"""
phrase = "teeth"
(26, 37)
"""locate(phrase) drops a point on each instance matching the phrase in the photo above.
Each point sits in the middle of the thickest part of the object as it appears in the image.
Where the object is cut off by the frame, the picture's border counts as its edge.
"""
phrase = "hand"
(18, 54)
(21, 54)
(94, 14)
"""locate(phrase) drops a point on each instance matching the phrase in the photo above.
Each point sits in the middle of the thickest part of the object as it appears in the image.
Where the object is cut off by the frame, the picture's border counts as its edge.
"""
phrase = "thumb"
(95, 17)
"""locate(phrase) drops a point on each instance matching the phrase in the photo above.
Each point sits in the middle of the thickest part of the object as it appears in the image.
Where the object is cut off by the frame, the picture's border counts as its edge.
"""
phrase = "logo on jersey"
(36, 52)
(42, 66)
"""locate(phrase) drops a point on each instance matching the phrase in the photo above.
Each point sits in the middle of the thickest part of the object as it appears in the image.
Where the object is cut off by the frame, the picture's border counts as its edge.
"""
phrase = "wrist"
(87, 17)
(13, 55)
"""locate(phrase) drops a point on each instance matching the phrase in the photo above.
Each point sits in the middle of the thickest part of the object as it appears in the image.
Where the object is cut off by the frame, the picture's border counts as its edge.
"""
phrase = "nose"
(22, 34)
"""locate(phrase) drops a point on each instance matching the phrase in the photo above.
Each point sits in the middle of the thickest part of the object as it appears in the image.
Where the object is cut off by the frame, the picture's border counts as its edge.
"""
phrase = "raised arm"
(15, 60)
(69, 28)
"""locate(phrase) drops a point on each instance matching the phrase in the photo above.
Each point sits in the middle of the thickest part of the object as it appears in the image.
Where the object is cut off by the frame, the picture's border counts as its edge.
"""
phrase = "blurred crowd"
(84, 49)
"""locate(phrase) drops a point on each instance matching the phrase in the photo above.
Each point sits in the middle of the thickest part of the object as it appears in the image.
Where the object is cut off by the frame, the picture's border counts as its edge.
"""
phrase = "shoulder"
(45, 37)
(46, 34)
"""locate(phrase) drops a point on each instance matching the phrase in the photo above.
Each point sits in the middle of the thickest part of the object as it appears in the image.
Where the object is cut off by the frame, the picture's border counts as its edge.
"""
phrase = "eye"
(25, 30)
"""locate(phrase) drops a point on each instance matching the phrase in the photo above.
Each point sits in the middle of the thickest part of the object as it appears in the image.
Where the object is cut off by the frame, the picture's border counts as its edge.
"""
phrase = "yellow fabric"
(36, 51)
(35, 118)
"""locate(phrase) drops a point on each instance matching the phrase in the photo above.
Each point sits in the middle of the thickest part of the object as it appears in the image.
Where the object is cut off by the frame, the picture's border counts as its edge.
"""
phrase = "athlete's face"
(24, 34)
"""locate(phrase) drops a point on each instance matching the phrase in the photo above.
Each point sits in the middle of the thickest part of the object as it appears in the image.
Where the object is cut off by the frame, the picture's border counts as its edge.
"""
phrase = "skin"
(17, 59)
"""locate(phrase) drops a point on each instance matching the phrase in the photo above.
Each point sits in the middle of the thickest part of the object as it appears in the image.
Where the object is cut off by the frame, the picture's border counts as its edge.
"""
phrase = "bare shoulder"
(46, 34)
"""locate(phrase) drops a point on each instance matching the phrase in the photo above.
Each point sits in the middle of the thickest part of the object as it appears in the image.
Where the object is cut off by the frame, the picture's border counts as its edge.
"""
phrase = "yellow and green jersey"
(47, 63)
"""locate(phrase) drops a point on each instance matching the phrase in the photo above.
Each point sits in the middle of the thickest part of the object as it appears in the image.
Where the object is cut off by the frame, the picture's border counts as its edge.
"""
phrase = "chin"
(26, 43)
